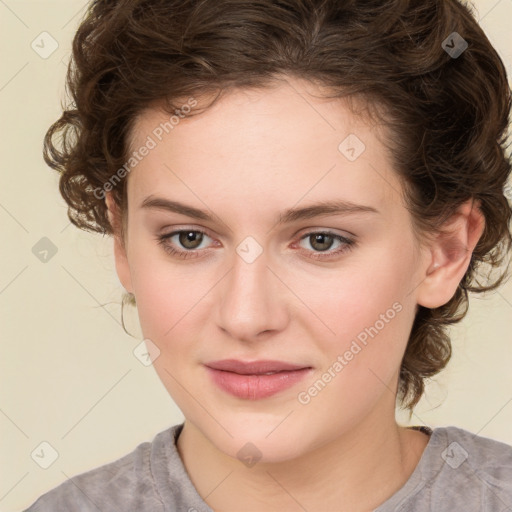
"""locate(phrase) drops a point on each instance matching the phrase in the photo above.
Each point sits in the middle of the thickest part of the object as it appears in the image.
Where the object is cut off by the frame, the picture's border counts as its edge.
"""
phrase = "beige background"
(69, 376)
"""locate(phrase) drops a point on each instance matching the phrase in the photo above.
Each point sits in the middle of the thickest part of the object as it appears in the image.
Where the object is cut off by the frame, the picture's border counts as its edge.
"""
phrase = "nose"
(253, 301)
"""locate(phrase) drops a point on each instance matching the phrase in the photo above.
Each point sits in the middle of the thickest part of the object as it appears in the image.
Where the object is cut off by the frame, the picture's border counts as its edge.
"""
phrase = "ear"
(449, 255)
(120, 253)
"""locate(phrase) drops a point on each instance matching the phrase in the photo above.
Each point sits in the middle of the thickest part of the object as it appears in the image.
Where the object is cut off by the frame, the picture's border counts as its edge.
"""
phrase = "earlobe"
(450, 255)
(120, 252)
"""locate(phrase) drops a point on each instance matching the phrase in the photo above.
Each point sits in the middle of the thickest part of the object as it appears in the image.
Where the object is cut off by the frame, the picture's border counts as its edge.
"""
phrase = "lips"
(255, 380)
(253, 368)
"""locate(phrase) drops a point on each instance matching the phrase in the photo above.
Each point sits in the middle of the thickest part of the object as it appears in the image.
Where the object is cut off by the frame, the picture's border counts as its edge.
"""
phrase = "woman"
(301, 194)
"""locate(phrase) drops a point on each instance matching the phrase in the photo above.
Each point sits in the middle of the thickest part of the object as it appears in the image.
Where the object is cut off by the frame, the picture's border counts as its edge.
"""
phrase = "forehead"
(282, 142)
(297, 106)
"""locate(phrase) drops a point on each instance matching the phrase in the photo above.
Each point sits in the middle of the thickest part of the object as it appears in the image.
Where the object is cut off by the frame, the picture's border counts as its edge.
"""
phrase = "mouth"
(255, 380)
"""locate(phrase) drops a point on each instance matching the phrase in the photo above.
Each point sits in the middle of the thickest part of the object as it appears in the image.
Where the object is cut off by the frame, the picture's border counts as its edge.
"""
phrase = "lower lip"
(256, 387)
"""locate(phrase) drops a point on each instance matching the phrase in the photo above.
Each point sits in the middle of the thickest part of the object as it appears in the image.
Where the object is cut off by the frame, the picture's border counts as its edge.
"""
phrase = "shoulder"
(458, 470)
(124, 484)
(488, 459)
(484, 451)
(463, 470)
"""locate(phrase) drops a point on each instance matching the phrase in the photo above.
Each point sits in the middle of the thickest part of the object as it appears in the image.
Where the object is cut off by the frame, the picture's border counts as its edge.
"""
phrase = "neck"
(357, 471)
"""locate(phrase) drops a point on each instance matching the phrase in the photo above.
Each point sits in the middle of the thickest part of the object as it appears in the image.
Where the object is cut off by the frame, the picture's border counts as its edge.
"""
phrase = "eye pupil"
(320, 237)
(189, 239)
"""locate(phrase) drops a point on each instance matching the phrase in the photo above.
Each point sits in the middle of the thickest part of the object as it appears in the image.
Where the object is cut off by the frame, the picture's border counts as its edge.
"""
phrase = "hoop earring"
(128, 298)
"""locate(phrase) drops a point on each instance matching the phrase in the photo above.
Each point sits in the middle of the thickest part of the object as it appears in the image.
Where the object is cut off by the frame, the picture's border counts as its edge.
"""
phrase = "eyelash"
(169, 249)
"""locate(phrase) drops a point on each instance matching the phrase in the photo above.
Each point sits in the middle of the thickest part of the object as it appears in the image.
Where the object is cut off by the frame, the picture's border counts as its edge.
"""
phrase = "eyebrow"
(338, 207)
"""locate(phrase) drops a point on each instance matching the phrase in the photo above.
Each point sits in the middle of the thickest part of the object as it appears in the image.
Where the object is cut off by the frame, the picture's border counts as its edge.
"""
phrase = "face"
(332, 293)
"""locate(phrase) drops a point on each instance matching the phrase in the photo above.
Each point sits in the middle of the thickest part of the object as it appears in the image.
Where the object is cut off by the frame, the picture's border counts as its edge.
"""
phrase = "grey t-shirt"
(458, 471)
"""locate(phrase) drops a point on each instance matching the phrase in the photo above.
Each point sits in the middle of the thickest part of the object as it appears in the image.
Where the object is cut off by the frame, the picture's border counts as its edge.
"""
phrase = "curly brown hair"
(447, 113)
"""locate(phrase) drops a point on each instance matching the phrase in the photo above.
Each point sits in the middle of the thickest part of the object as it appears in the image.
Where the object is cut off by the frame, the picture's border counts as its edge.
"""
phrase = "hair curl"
(447, 117)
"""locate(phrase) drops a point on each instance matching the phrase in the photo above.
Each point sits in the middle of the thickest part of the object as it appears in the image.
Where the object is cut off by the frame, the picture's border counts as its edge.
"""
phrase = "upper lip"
(253, 367)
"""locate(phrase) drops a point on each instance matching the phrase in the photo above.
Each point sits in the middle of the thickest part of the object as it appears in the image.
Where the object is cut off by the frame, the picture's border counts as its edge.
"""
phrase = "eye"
(189, 239)
(322, 242)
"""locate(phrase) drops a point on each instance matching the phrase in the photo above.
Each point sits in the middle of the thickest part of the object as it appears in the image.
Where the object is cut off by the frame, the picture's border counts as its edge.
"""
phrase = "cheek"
(168, 305)
(367, 292)
(370, 309)
(362, 361)
(165, 295)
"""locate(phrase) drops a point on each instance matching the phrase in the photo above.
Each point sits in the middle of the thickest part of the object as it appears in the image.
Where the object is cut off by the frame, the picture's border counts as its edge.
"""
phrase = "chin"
(262, 450)
(259, 439)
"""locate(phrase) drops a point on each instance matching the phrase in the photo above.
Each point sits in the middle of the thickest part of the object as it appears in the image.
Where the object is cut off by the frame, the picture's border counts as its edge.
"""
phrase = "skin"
(248, 158)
